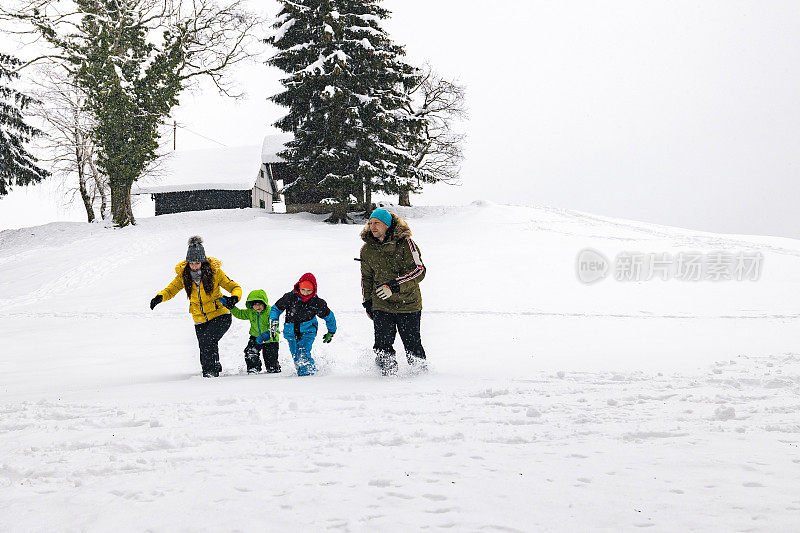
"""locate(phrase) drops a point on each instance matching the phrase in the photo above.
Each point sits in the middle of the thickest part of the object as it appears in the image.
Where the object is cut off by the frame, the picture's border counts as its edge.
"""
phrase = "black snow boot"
(386, 363)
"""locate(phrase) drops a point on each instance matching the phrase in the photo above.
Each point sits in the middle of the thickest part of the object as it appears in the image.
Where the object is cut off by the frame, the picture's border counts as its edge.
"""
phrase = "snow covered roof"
(228, 168)
(272, 145)
(210, 168)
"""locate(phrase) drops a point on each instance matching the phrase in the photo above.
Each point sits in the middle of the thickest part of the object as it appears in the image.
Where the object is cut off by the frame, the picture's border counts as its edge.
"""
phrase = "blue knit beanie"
(383, 215)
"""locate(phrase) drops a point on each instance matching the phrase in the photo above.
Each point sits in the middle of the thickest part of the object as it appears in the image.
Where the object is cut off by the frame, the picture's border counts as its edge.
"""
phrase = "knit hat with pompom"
(196, 253)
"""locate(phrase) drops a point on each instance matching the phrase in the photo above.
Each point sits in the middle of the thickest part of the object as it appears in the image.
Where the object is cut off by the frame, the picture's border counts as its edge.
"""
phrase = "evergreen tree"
(17, 166)
(380, 81)
(302, 29)
(131, 86)
(346, 94)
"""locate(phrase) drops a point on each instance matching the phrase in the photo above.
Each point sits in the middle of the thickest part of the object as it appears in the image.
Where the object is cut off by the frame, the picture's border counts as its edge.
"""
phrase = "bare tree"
(69, 145)
(132, 58)
(438, 104)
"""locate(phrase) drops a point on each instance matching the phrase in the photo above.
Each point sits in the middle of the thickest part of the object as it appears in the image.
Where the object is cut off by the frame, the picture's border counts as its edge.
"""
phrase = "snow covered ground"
(550, 405)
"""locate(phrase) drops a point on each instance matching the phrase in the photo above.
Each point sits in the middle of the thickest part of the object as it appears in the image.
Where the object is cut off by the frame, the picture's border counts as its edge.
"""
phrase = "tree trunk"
(121, 211)
(405, 197)
(87, 200)
(339, 215)
(103, 201)
(361, 190)
(367, 200)
(99, 186)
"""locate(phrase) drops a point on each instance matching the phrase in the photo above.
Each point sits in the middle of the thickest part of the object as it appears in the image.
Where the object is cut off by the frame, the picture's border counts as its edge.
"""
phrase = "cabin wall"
(179, 202)
(263, 190)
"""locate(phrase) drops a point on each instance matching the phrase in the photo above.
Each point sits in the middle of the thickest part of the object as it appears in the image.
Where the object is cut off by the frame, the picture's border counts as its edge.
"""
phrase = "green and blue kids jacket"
(259, 322)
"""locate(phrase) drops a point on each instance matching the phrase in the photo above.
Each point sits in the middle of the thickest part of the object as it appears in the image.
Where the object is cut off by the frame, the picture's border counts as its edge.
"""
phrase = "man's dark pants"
(387, 325)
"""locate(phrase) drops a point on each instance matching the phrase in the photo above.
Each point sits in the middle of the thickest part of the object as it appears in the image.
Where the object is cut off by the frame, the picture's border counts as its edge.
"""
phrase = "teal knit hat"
(383, 215)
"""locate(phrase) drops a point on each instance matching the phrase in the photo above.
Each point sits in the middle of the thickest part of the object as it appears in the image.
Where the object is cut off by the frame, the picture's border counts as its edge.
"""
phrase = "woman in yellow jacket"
(201, 277)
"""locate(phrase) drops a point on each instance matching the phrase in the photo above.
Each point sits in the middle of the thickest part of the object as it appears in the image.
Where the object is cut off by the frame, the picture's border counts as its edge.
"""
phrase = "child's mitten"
(228, 301)
(328, 337)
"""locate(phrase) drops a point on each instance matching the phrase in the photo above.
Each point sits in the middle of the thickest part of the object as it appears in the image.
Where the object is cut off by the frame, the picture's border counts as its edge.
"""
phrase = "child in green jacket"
(261, 340)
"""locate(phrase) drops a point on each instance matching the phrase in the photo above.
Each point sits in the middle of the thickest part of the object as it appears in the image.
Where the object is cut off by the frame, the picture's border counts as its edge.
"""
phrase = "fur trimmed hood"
(215, 263)
(398, 230)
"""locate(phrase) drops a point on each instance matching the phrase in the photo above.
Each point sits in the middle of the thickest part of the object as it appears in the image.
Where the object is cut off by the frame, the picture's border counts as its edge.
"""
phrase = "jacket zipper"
(200, 299)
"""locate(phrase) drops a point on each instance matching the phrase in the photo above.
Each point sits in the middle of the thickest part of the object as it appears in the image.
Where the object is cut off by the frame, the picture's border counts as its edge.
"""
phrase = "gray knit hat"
(196, 253)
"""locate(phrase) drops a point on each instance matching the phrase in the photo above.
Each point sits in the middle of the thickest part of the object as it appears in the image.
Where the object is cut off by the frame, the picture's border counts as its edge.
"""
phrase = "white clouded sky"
(682, 113)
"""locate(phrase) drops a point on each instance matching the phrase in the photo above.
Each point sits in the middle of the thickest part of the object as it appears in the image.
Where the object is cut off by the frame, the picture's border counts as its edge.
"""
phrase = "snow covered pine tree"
(346, 91)
(17, 166)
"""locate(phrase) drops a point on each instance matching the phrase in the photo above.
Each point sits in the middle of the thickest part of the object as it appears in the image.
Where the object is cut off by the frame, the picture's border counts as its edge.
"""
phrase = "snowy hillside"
(550, 405)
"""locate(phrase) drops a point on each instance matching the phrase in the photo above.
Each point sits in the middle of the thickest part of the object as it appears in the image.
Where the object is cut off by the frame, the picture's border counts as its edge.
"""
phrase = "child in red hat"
(302, 306)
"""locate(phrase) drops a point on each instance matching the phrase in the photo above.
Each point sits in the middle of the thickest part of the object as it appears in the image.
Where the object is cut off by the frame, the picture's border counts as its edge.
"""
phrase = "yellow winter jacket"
(202, 305)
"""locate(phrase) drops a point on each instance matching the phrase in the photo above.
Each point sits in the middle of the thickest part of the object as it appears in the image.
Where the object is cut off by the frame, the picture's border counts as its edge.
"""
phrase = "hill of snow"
(550, 405)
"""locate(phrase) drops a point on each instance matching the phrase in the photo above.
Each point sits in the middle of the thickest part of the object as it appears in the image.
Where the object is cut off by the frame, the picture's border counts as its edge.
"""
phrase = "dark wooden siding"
(178, 202)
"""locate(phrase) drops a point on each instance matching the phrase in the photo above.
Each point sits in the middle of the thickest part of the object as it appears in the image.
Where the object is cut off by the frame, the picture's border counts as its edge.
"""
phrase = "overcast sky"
(680, 113)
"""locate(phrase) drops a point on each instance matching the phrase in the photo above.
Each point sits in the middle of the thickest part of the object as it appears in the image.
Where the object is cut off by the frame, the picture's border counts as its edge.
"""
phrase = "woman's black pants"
(208, 336)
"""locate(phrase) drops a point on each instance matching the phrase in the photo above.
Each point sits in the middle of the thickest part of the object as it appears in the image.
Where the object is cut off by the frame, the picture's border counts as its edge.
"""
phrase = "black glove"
(229, 301)
(155, 301)
(368, 307)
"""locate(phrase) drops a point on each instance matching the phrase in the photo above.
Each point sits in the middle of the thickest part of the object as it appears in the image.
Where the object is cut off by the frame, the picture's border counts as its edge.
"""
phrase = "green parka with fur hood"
(397, 259)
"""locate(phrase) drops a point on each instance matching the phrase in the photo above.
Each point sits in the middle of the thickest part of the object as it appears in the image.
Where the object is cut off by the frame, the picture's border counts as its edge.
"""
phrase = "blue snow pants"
(300, 348)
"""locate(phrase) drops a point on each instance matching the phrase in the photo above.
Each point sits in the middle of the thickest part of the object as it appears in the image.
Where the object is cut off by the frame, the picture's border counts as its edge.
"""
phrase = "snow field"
(617, 406)
(575, 451)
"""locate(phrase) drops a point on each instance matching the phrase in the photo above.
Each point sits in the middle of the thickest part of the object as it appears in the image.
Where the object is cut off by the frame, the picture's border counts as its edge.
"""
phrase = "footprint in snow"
(400, 495)
(441, 510)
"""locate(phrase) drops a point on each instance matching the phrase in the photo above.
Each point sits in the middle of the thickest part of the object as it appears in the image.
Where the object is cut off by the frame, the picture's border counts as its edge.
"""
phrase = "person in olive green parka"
(261, 341)
(391, 270)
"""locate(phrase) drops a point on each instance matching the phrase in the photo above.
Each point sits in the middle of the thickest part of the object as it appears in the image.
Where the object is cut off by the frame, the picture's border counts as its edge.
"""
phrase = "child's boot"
(303, 361)
(252, 360)
(271, 364)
